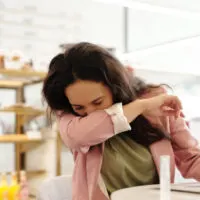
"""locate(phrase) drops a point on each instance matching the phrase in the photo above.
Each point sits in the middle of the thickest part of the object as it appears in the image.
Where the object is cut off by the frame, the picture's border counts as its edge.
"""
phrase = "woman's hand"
(162, 105)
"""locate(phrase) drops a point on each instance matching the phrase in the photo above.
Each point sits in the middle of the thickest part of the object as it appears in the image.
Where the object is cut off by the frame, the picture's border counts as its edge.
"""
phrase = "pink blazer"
(79, 134)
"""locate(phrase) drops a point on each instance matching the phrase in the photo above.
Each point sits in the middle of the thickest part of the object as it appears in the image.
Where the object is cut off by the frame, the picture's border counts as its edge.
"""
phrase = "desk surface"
(150, 192)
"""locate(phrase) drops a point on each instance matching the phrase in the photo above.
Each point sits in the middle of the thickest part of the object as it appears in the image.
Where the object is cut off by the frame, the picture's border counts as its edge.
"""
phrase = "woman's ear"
(129, 69)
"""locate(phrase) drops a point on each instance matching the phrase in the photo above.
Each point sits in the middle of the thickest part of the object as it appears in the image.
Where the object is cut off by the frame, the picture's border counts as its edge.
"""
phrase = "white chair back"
(57, 188)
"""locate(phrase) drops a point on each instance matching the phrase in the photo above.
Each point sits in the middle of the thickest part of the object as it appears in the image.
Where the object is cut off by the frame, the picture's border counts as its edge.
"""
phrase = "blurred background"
(160, 39)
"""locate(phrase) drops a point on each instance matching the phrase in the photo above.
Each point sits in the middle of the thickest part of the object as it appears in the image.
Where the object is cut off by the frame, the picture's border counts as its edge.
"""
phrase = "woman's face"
(88, 96)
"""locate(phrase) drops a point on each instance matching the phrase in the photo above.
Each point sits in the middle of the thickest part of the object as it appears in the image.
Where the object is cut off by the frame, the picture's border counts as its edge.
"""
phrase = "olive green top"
(127, 164)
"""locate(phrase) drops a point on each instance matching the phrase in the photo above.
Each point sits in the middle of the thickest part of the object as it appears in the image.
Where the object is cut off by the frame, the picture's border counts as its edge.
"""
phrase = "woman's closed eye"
(78, 107)
(97, 103)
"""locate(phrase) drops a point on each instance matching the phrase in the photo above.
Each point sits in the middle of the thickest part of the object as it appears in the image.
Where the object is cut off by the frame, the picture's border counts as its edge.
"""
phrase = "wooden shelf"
(32, 172)
(23, 110)
(16, 84)
(11, 84)
(23, 73)
(17, 138)
(17, 80)
(36, 172)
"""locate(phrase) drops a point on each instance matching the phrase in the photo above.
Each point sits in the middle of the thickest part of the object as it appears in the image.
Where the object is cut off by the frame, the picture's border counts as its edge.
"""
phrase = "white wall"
(147, 29)
(38, 27)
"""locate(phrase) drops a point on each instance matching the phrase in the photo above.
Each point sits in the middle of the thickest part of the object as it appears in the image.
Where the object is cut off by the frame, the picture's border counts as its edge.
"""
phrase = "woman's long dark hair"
(86, 61)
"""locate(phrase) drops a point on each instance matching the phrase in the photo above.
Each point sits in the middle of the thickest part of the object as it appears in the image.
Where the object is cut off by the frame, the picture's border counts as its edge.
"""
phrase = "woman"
(116, 126)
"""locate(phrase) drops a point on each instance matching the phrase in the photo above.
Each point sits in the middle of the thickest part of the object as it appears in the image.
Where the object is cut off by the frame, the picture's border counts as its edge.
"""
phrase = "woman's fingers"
(173, 102)
(171, 111)
(178, 103)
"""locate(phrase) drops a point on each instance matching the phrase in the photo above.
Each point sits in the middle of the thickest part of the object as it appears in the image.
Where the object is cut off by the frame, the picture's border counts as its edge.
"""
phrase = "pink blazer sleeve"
(186, 149)
(79, 133)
